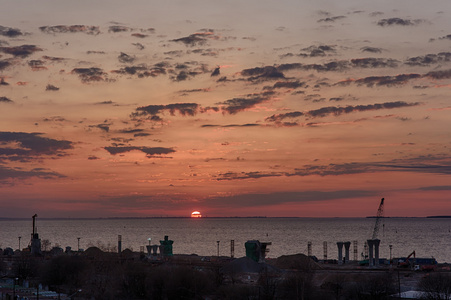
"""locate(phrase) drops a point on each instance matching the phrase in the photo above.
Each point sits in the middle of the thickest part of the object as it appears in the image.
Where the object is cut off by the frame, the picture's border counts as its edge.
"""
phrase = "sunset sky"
(232, 108)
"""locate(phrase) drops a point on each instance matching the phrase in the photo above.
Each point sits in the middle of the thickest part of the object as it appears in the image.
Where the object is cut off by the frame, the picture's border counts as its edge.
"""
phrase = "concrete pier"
(340, 252)
(347, 246)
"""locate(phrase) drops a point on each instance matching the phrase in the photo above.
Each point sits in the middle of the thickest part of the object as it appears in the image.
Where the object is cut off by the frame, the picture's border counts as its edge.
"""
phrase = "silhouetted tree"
(64, 270)
(267, 283)
(436, 286)
(375, 287)
(25, 266)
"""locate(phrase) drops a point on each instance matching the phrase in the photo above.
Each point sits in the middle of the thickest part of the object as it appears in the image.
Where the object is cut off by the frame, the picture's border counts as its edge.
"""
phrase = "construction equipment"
(379, 216)
(407, 262)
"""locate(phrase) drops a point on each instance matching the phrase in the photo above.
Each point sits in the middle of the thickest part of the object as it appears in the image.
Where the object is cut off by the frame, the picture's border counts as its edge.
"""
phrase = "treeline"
(106, 276)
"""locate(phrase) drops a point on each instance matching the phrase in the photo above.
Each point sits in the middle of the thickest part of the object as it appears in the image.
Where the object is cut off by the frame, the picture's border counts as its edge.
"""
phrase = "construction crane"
(379, 216)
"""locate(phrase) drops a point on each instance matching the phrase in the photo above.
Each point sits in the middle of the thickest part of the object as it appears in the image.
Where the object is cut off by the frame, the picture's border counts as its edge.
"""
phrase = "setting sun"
(196, 214)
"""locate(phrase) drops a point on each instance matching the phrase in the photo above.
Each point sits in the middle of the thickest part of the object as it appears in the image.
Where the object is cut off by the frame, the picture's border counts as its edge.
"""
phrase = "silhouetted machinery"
(256, 250)
(379, 216)
(35, 240)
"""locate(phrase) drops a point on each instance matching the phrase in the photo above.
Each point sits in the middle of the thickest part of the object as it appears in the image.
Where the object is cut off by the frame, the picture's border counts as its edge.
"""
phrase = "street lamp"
(218, 247)
(78, 244)
(78, 291)
(19, 242)
(149, 239)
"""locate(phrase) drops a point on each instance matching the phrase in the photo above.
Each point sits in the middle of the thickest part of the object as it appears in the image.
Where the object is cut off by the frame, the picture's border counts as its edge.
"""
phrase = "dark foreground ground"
(94, 274)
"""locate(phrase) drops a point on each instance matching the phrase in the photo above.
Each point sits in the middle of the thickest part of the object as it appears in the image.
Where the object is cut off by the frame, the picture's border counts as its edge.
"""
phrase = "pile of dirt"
(94, 252)
(246, 265)
(295, 262)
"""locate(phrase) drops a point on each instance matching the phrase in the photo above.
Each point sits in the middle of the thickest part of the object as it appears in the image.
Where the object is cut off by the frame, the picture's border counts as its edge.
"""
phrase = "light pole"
(19, 242)
(391, 246)
(218, 247)
(149, 239)
(78, 244)
(78, 291)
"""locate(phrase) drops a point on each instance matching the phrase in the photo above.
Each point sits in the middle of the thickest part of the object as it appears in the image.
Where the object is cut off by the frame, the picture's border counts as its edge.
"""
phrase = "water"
(428, 237)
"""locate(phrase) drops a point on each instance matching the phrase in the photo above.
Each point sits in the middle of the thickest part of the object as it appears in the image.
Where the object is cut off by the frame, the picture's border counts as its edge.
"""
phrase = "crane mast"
(379, 216)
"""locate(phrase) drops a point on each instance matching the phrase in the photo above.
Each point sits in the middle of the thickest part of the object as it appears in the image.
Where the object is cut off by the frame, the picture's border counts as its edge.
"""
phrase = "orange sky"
(159, 110)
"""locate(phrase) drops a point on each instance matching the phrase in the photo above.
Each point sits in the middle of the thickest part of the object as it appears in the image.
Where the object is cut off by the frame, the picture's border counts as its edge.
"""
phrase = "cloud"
(330, 66)
(260, 74)
(388, 81)
(4, 64)
(135, 131)
(399, 21)
(53, 58)
(125, 58)
(232, 125)
(139, 35)
(235, 105)
(5, 100)
(93, 30)
(446, 37)
(37, 65)
(22, 146)
(339, 110)
(280, 117)
(342, 65)
(54, 119)
(429, 59)
(9, 175)
(246, 175)
(90, 74)
(371, 49)
(104, 127)
(287, 84)
(331, 19)
(51, 87)
(20, 51)
(184, 92)
(422, 164)
(118, 28)
(149, 151)
(288, 67)
(107, 102)
(201, 38)
(142, 71)
(139, 46)
(231, 106)
(185, 109)
(10, 32)
(196, 39)
(260, 199)
(95, 52)
(318, 51)
(188, 70)
(436, 188)
(374, 63)
(443, 74)
(3, 82)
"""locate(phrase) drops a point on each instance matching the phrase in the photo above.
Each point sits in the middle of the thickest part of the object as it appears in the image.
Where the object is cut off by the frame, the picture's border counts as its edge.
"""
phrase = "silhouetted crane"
(379, 216)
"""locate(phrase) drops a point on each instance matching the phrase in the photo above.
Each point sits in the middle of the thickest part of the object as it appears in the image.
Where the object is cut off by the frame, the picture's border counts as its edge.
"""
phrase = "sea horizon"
(218, 217)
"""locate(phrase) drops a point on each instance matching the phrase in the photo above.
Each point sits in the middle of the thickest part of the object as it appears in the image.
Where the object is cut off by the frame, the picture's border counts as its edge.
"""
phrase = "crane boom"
(379, 216)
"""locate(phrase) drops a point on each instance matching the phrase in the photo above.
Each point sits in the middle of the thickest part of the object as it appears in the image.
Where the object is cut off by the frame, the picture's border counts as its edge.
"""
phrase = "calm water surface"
(428, 237)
